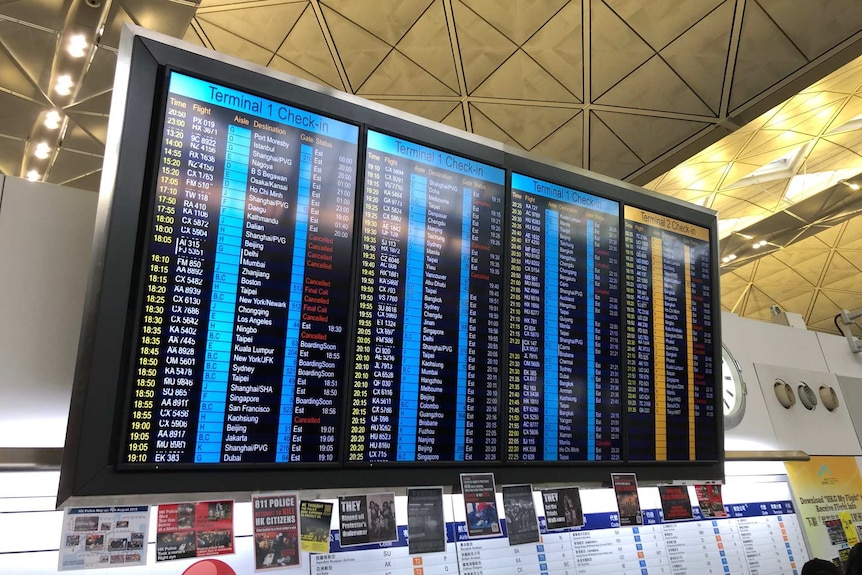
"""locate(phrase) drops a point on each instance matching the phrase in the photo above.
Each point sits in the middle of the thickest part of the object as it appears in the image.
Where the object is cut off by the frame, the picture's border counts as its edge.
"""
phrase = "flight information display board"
(240, 343)
(564, 386)
(428, 350)
(670, 374)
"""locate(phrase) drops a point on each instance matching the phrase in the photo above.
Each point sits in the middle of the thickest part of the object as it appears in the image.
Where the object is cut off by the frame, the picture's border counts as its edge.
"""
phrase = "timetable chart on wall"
(240, 343)
(424, 385)
(564, 384)
(670, 377)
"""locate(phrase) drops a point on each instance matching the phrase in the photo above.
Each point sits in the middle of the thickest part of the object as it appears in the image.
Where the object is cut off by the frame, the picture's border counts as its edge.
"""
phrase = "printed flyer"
(823, 487)
(628, 502)
(100, 537)
(426, 525)
(276, 531)
(710, 500)
(675, 503)
(364, 519)
(562, 508)
(201, 529)
(480, 503)
(315, 518)
(521, 522)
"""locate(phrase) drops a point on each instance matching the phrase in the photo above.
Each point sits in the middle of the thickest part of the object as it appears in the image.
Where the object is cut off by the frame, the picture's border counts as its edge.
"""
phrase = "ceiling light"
(757, 245)
(42, 151)
(64, 85)
(731, 257)
(53, 119)
(33, 176)
(853, 186)
(77, 47)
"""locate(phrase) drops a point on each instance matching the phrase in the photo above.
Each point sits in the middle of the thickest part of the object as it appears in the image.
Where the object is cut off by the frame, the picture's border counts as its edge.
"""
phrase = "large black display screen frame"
(97, 416)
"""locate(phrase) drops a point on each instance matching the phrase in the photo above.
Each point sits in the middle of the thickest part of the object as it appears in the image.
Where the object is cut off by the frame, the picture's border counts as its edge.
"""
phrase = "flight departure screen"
(670, 373)
(424, 387)
(564, 381)
(240, 342)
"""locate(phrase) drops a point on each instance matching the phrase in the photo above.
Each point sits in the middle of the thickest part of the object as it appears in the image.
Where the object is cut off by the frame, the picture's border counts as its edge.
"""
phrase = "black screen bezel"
(90, 456)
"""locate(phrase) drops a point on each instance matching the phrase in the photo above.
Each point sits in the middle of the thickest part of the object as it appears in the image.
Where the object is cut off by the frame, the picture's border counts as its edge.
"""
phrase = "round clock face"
(733, 392)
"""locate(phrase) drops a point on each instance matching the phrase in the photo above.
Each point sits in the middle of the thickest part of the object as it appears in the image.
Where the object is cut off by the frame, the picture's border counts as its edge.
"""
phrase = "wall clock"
(733, 389)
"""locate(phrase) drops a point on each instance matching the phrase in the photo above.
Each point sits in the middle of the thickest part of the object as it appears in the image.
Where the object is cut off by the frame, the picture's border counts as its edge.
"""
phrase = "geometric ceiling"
(627, 88)
(792, 231)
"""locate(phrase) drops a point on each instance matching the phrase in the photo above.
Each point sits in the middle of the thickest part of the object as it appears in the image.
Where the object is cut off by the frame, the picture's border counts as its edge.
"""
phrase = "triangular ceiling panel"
(17, 116)
(823, 308)
(14, 79)
(758, 304)
(616, 49)
(27, 47)
(799, 304)
(389, 20)
(566, 143)
(483, 47)
(193, 37)
(436, 111)
(608, 154)
(831, 236)
(228, 42)
(71, 165)
(529, 125)
(844, 300)
(483, 126)
(659, 22)
(397, 75)
(558, 46)
(266, 26)
(816, 27)
(11, 153)
(852, 232)
(428, 44)
(455, 119)
(753, 72)
(839, 269)
(81, 140)
(281, 65)
(647, 134)
(306, 47)
(658, 88)
(534, 82)
(700, 55)
(767, 268)
(360, 50)
(811, 269)
(517, 19)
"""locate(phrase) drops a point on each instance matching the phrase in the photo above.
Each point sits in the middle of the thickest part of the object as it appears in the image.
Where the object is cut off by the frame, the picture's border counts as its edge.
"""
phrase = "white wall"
(46, 233)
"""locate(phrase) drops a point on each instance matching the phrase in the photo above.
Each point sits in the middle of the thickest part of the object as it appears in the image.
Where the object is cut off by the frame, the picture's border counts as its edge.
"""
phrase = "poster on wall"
(823, 488)
(276, 531)
(100, 537)
(480, 504)
(194, 529)
(675, 503)
(562, 508)
(710, 500)
(628, 502)
(521, 522)
(315, 518)
(426, 524)
(364, 519)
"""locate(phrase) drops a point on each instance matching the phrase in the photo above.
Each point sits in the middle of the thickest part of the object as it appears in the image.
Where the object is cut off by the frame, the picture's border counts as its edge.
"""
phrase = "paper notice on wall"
(276, 531)
(628, 501)
(100, 537)
(197, 529)
(315, 519)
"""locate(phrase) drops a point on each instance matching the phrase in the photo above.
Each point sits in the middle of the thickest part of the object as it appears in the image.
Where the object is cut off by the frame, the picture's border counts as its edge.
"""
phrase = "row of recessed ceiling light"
(756, 245)
(77, 47)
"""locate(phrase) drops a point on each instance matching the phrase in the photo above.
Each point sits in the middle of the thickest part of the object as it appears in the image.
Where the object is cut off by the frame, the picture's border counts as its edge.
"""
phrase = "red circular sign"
(210, 567)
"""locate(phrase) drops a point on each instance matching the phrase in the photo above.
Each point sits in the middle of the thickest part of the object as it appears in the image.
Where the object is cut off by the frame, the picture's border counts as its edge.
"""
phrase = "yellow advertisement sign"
(828, 497)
